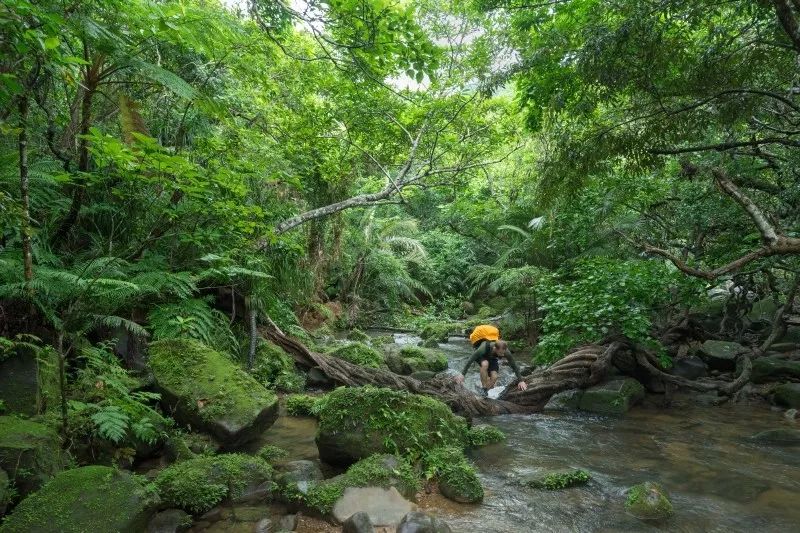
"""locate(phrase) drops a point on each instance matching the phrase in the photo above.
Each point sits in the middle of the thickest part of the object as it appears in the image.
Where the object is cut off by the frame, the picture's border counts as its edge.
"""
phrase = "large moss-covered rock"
(30, 453)
(648, 501)
(28, 381)
(358, 353)
(767, 369)
(612, 398)
(91, 498)
(204, 389)
(355, 423)
(406, 360)
(788, 395)
(200, 483)
(439, 331)
(721, 355)
(380, 470)
(457, 478)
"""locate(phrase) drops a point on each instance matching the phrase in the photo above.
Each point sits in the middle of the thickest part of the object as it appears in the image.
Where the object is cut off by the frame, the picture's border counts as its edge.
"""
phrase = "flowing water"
(718, 479)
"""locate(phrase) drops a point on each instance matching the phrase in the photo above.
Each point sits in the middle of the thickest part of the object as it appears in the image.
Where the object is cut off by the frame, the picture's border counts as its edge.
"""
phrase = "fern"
(111, 422)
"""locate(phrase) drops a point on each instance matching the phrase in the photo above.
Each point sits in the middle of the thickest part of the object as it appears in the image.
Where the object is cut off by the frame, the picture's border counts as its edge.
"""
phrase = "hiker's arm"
(513, 364)
(475, 357)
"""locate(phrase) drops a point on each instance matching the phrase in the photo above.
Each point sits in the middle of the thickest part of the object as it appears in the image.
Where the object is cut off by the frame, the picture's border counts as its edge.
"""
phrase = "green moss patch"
(375, 471)
(272, 454)
(458, 480)
(483, 435)
(210, 392)
(91, 498)
(648, 501)
(275, 369)
(358, 353)
(357, 335)
(439, 331)
(30, 452)
(358, 422)
(561, 480)
(201, 483)
(300, 405)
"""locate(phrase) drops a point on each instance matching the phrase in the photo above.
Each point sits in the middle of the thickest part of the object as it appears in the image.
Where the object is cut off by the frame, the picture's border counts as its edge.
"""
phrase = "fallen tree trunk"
(582, 368)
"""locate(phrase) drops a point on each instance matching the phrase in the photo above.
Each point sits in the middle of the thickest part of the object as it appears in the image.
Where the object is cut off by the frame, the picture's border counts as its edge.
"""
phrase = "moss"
(458, 480)
(209, 387)
(300, 405)
(91, 498)
(357, 335)
(30, 452)
(561, 480)
(375, 471)
(439, 331)
(648, 501)
(483, 435)
(424, 358)
(272, 454)
(382, 420)
(382, 340)
(359, 354)
(275, 369)
(200, 483)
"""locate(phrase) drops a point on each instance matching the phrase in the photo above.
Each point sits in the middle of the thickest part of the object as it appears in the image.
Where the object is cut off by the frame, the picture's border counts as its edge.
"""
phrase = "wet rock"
(406, 360)
(612, 398)
(318, 378)
(357, 335)
(460, 485)
(689, 367)
(209, 392)
(28, 381)
(648, 501)
(90, 498)
(358, 523)
(565, 401)
(29, 452)
(766, 369)
(762, 311)
(788, 395)
(417, 522)
(721, 355)
(778, 437)
(250, 513)
(353, 426)
(287, 522)
(170, 521)
(264, 526)
(298, 476)
(423, 375)
(385, 507)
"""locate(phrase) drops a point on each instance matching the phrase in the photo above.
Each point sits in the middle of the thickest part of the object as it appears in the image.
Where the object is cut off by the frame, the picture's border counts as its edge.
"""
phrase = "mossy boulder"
(612, 398)
(198, 484)
(565, 401)
(430, 343)
(560, 479)
(457, 478)
(355, 423)
(358, 353)
(206, 390)
(648, 501)
(406, 360)
(766, 369)
(357, 335)
(788, 395)
(721, 355)
(485, 434)
(380, 470)
(275, 369)
(300, 405)
(439, 331)
(30, 453)
(28, 381)
(91, 498)
(297, 477)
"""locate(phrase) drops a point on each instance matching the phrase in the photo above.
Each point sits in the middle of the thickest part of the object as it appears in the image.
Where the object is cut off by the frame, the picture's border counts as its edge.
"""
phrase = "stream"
(717, 478)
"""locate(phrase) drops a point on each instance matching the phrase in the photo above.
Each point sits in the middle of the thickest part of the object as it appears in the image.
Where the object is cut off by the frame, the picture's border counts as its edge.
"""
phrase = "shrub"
(300, 405)
(483, 435)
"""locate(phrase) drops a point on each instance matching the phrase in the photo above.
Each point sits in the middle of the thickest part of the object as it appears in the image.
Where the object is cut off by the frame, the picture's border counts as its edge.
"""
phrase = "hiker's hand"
(460, 379)
(522, 385)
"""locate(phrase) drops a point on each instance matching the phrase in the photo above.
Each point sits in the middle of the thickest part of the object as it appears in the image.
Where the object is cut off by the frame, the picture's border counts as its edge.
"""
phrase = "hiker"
(489, 349)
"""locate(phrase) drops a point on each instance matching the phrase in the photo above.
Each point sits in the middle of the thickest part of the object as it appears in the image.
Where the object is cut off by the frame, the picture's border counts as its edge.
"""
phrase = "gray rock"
(28, 383)
(417, 522)
(423, 375)
(170, 521)
(318, 378)
(721, 355)
(287, 522)
(766, 369)
(788, 395)
(358, 523)
(565, 401)
(298, 476)
(778, 437)
(689, 367)
(612, 398)
(264, 526)
(648, 501)
(385, 507)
